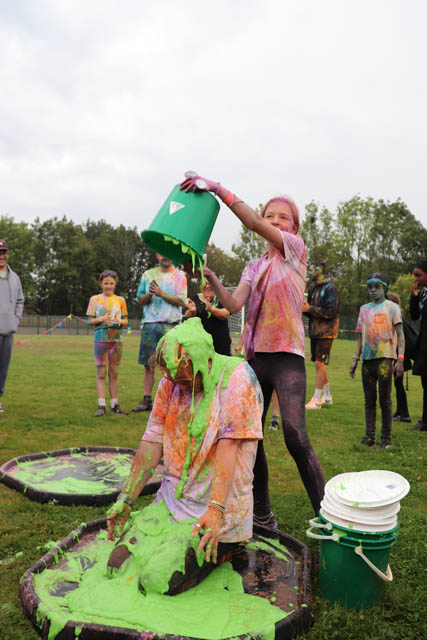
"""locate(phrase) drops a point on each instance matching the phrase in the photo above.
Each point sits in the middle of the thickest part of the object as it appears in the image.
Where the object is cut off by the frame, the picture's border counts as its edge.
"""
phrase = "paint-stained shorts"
(108, 350)
(151, 333)
(321, 349)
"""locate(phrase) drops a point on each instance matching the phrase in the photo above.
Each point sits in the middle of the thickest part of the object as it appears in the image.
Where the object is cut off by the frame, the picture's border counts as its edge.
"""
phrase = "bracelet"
(401, 356)
(217, 505)
(355, 357)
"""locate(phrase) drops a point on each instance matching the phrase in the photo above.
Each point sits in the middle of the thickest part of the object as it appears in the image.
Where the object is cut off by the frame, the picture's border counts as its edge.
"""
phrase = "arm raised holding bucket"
(274, 285)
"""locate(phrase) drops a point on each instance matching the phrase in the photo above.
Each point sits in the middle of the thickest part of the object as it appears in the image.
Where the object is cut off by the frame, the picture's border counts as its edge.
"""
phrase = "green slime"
(198, 345)
(215, 609)
(33, 474)
(192, 254)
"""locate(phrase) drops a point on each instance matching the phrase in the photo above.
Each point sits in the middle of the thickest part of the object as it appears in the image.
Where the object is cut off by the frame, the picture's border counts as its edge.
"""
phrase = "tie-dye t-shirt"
(377, 324)
(100, 305)
(275, 300)
(236, 413)
(158, 310)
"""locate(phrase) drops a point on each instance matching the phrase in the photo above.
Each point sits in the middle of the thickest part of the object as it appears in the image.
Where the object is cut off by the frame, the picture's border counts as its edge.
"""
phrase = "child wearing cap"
(380, 331)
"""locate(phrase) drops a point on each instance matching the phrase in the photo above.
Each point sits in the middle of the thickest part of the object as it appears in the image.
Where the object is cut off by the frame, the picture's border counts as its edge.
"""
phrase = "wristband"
(400, 356)
(229, 199)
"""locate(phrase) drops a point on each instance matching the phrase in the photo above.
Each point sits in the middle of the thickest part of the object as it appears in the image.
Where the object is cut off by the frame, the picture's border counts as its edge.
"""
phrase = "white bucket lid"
(381, 515)
(367, 489)
(359, 526)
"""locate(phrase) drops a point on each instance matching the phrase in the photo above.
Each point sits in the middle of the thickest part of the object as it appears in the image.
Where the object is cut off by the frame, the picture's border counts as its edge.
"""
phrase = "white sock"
(317, 393)
(113, 402)
(101, 402)
(326, 390)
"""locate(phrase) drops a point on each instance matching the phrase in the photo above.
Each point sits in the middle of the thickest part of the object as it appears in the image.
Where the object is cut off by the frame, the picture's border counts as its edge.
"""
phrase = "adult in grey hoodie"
(11, 308)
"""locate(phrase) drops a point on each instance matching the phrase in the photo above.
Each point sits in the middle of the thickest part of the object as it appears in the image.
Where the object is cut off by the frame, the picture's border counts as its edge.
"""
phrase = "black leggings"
(424, 383)
(285, 373)
(401, 399)
(378, 371)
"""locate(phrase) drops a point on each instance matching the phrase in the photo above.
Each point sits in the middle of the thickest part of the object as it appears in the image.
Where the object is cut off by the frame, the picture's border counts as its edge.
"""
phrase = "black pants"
(401, 400)
(285, 373)
(424, 383)
(6, 344)
(378, 371)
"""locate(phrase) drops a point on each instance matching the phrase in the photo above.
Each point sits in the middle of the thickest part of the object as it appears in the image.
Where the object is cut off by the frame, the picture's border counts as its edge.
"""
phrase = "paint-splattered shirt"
(235, 413)
(377, 324)
(100, 305)
(158, 310)
(276, 298)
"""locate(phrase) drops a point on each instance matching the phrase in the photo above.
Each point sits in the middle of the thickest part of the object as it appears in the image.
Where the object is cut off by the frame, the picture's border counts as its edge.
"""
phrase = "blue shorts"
(150, 335)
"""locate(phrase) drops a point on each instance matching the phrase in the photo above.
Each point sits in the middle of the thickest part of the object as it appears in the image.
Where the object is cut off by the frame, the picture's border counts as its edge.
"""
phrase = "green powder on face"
(213, 367)
(118, 601)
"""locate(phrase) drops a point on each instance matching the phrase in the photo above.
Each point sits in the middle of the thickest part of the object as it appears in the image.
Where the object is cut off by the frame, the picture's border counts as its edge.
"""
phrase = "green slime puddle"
(215, 609)
(110, 470)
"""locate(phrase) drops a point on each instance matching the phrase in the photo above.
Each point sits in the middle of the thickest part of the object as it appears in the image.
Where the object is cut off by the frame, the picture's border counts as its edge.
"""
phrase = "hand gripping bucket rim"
(352, 574)
(183, 225)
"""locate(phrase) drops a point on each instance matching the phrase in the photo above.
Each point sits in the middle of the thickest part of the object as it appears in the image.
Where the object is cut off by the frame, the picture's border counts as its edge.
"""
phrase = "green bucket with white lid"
(353, 570)
(182, 227)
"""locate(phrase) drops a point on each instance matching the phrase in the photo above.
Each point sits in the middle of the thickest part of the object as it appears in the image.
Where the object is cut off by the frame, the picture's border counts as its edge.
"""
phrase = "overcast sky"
(104, 104)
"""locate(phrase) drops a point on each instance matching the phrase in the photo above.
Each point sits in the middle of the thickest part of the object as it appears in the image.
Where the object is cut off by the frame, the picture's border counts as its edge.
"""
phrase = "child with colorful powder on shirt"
(274, 337)
(108, 314)
(380, 331)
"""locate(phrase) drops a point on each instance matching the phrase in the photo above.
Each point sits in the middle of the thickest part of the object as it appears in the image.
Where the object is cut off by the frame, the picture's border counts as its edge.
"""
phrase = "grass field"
(49, 402)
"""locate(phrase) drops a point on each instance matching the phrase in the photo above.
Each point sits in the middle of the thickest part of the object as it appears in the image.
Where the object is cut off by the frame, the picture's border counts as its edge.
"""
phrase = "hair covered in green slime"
(118, 601)
(214, 368)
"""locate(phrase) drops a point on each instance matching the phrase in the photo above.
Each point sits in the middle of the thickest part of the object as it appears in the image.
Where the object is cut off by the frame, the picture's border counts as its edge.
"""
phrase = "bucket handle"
(314, 522)
(316, 536)
(386, 577)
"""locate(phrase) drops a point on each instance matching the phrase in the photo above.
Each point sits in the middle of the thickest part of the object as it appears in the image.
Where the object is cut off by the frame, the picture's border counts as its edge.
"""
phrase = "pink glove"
(194, 182)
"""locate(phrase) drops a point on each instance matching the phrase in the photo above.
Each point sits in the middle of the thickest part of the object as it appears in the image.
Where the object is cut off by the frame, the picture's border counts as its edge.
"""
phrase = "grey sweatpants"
(6, 344)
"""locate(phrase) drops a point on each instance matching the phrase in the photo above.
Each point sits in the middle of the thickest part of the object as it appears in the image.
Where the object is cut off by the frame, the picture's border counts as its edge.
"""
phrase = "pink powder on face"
(290, 203)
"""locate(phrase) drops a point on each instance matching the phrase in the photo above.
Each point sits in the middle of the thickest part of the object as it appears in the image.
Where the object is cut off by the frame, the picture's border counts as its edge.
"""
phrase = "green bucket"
(183, 226)
(352, 572)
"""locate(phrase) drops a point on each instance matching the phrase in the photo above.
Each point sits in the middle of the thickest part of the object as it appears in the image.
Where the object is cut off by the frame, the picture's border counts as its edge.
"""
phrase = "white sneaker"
(314, 404)
(326, 400)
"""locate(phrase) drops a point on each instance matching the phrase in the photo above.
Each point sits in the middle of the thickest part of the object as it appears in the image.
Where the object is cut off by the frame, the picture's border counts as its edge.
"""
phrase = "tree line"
(59, 261)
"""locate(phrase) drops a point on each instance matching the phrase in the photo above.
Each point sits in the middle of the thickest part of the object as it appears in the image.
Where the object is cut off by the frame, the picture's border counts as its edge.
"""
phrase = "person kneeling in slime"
(206, 423)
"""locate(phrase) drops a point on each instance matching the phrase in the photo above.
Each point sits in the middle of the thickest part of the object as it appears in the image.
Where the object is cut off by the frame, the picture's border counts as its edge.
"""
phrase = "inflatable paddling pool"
(77, 476)
(265, 592)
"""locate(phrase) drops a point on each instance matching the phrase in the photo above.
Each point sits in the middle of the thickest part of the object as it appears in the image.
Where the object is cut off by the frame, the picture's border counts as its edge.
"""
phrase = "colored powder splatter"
(78, 473)
(214, 369)
(82, 591)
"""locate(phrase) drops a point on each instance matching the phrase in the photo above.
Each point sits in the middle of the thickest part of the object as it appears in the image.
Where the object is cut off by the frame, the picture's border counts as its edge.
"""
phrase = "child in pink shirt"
(274, 340)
